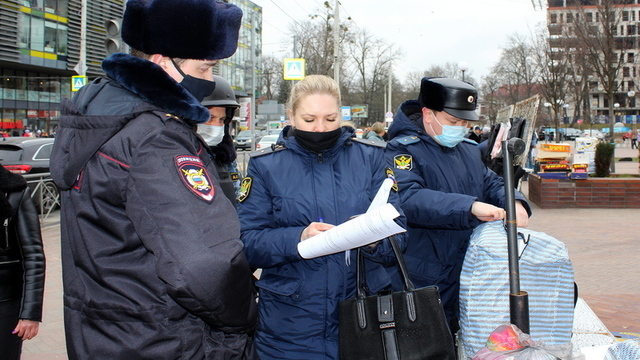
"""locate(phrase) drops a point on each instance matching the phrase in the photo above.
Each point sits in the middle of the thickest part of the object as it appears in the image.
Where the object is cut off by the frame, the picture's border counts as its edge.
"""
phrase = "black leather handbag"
(402, 325)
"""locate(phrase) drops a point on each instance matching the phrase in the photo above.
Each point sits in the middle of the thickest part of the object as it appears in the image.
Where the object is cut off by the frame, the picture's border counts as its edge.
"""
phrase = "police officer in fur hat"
(153, 267)
(445, 188)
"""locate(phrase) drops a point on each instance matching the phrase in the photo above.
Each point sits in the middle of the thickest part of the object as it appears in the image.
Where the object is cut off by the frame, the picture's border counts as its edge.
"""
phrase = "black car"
(26, 156)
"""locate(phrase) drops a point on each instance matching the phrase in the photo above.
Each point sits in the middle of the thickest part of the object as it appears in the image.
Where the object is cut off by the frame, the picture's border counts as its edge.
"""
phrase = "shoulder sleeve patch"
(245, 189)
(392, 176)
(403, 162)
(194, 176)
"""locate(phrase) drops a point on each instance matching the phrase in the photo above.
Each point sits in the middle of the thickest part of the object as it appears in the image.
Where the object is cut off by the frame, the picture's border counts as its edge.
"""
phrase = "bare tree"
(491, 99)
(515, 70)
(596, 28)
(371, 58)
(271, 76)
(554, 72)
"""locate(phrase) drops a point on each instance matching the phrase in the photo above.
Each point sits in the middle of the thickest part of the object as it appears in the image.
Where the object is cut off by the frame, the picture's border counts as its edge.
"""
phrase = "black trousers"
(10, 344)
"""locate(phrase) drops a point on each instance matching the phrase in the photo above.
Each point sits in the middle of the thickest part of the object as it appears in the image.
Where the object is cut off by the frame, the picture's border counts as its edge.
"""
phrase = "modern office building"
(561, 17)
(40, 42)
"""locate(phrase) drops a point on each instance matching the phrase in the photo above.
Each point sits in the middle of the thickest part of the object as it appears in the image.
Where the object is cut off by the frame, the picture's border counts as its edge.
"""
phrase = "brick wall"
(589, 193)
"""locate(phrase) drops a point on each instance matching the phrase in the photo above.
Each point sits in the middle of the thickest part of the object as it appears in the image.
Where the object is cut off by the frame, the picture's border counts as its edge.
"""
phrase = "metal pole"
(518, 299)
(253, 82)
(336, 43)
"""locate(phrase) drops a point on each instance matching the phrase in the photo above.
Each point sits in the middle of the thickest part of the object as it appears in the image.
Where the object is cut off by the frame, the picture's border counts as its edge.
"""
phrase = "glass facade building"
(40, 47)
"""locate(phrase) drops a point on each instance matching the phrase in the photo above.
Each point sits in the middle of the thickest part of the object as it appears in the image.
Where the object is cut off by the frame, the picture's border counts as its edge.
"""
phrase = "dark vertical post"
(518, 299)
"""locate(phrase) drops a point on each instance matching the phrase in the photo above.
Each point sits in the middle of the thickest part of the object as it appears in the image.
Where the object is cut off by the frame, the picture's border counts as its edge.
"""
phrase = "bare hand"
(522, 217)
(314, 229)
(487, 212)
(26, 329)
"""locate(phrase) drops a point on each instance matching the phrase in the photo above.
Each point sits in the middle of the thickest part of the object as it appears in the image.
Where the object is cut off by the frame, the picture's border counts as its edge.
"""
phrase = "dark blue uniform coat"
(290, 188)
(437, 187)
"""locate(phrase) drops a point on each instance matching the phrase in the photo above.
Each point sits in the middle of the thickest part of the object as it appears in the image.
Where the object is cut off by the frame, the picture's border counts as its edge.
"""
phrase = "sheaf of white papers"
(377, 223)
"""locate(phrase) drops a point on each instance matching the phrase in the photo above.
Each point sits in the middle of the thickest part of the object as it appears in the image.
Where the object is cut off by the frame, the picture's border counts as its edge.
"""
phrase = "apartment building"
(562, 15)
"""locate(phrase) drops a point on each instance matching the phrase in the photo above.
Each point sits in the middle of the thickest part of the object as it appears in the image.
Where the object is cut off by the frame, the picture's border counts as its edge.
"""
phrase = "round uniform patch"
(245, 189)
(403, 162)
(195, 176)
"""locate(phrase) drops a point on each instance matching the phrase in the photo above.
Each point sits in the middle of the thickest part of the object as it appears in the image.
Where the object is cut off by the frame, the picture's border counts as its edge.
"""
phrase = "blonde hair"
(312, 84)
(377, 127)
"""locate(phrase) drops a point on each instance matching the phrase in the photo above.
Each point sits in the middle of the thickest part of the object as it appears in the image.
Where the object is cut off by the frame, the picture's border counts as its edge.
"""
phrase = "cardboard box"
(586, 144)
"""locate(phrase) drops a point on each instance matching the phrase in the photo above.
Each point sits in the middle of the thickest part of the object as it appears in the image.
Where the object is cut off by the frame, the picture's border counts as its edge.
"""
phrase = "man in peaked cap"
(153, 267)
(445, 188)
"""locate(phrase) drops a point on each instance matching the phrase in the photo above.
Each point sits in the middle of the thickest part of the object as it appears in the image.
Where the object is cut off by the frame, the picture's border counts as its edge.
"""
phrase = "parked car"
(245, 139)
(25, 155)
(570, 133)
(267, 141)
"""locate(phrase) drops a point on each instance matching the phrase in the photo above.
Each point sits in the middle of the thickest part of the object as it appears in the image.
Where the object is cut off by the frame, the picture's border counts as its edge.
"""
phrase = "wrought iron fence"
(44, 193)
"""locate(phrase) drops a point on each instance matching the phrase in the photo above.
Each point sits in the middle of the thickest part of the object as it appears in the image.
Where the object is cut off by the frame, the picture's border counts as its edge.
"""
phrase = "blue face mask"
(451, 135)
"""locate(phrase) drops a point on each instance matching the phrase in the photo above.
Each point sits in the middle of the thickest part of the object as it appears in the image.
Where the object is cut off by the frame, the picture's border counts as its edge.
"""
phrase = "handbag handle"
(361, 279)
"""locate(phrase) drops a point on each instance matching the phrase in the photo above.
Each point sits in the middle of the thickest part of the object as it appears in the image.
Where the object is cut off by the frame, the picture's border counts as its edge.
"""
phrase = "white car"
(267, 141)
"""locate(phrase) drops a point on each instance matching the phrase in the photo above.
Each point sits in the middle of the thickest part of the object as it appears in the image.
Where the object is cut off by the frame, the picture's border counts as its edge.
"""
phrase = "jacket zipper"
(5, 225)
(320, 158)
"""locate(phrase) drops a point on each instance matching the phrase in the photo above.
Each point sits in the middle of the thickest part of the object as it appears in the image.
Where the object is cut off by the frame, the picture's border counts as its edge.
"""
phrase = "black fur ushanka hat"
(187, 29)
(452, 96)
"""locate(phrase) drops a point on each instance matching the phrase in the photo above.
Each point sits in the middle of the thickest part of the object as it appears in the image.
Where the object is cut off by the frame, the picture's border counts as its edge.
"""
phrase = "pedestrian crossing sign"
(77, 82)
(294, 69)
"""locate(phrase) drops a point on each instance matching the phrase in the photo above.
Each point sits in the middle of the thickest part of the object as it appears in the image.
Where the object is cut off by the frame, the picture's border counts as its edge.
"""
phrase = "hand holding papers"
(377, 223)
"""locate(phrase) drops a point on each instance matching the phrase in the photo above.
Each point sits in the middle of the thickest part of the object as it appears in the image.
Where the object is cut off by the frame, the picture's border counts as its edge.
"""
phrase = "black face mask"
(199, 88)
(317, 141)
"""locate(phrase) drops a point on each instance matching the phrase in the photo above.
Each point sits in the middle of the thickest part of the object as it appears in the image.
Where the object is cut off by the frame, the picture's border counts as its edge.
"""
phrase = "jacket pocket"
(280, 284)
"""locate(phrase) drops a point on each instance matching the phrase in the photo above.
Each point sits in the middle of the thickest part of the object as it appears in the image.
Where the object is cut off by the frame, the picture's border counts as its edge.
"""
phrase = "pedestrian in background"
(445, 188)
(376, 133)
(222, 106)
(152, 261)
(22, 266)
(317, 176)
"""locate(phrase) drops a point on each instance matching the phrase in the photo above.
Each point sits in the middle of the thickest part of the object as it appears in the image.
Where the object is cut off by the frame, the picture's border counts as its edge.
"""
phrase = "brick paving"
(603, 245)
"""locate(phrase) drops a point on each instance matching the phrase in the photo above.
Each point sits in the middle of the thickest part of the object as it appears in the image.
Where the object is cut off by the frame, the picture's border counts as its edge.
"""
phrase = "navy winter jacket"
(291, 187)
(437, 187)
(152, 261)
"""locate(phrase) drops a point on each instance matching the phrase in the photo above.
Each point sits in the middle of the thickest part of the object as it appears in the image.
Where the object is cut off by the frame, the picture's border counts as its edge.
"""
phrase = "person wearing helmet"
(445, 188)
(222, 105)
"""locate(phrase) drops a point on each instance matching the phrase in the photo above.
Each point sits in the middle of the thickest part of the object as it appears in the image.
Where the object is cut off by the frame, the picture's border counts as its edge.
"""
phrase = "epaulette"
(407, 140)
(369, 142)
(271, 149)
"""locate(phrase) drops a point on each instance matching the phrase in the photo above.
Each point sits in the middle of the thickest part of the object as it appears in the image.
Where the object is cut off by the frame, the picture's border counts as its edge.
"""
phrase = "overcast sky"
(429, 32)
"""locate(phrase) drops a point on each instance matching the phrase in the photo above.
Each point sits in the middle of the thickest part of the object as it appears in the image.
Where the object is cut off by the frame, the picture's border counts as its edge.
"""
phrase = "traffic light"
(113, 43)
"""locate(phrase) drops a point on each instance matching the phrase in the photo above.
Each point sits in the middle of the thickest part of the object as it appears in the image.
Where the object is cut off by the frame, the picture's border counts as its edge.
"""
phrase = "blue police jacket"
(437, 187)
(285, 190)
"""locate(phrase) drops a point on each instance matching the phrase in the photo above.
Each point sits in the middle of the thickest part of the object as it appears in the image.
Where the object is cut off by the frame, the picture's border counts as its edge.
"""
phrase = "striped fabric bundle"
(546, 274)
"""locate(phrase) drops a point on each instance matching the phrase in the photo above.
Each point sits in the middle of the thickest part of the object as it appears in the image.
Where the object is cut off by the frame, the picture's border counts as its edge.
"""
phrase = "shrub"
(604, 156)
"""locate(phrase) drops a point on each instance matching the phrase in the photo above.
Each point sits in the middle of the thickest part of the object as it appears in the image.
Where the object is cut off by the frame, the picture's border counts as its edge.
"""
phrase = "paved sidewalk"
(603, 245)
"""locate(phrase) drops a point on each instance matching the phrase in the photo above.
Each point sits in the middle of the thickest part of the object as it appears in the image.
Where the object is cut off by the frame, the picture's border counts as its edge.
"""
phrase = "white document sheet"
(370, 227)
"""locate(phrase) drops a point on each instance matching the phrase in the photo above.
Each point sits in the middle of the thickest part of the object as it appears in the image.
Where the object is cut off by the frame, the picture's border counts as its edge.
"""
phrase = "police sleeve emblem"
(195, 176)
(403, 162)
(245, 188)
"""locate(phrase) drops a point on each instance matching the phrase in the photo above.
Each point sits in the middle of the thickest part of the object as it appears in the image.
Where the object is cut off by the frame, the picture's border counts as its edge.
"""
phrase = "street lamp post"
(463, 66)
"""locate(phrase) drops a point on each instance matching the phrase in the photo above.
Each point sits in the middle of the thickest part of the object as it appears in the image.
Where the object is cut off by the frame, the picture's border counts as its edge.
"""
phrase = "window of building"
(553, 18)
(569, 17)
(561, 17)
(24, 30)
(631, 84)
(626, 72)
(593, 85)
(625, 16)
(631, 30)
(37, 34)
(631, 58)
(589, 17)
